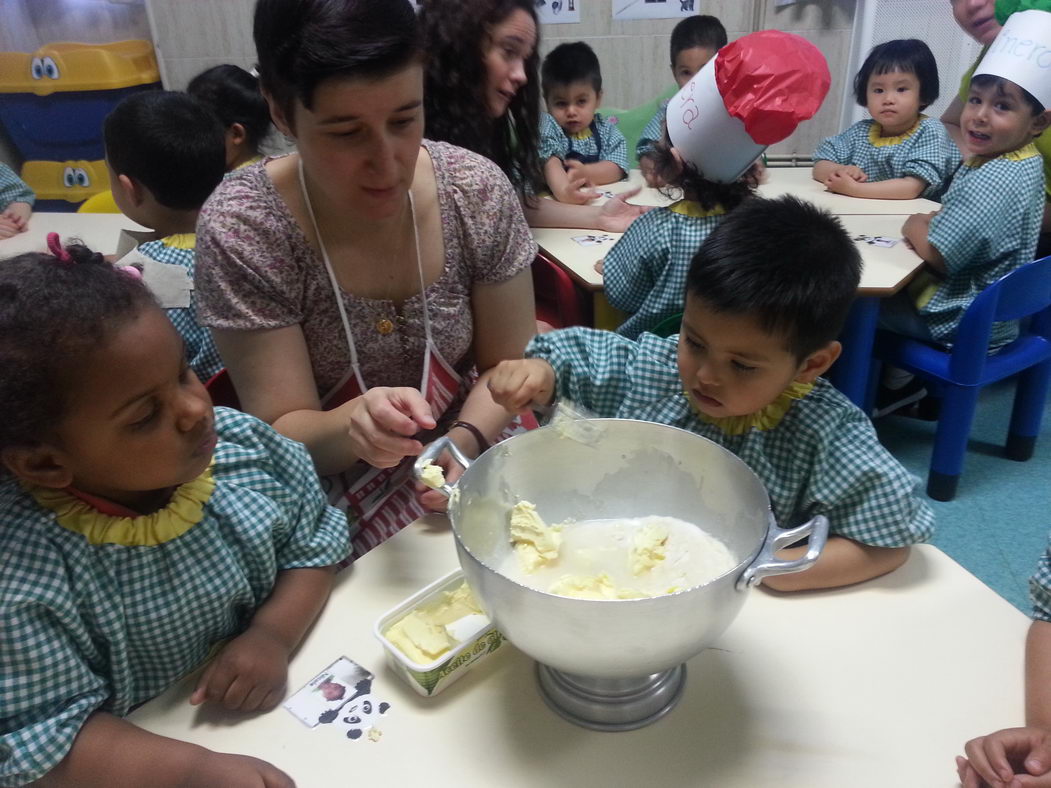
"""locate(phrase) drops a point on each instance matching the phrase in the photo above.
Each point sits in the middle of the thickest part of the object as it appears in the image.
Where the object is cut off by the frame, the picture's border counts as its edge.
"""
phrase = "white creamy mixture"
(624, 559)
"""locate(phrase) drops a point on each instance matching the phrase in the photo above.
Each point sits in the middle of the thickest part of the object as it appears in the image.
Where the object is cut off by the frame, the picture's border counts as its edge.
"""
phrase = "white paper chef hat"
(1022, 54)
(753, 93)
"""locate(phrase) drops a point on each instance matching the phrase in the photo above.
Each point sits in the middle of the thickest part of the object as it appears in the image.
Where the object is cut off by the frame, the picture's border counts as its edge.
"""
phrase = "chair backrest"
(1020, 293)
(631, 122)
(558, 301)
(221, 389)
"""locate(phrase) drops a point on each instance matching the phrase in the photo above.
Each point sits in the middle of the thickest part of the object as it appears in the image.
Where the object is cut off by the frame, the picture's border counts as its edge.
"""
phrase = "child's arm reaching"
(249, 673)
(843, 562)
(110, 751)
(595, 174)
(906, 188)
(568, 185)
(519, 383)
(916, 230)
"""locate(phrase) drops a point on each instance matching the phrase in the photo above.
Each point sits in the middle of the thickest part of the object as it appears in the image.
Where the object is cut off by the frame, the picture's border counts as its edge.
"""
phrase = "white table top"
(886, 270)
(798, 181)
(98, 231)
(876, 685)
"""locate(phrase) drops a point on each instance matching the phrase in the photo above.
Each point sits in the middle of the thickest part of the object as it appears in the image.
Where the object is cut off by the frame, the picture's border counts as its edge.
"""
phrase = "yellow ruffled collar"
(875, 130)
(764, 419)
(180, 241)
(695, 209)
(182, 513)
(1021, 154)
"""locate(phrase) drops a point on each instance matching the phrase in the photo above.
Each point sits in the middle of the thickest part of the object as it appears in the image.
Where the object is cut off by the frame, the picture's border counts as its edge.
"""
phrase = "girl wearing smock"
(644, 273)
(234, 95)
(143, 532)
(898, 153)
(357, 288)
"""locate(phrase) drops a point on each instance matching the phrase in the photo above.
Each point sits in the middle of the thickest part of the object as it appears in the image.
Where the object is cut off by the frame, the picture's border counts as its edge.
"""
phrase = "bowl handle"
(432, 452)
(765, 564)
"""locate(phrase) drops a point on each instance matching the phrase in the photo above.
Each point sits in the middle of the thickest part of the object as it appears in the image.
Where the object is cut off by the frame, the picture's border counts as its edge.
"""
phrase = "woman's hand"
(248, 674)
(434, 500)
(518, 383)
(382, 422)
(617, 213)
(1013, 757)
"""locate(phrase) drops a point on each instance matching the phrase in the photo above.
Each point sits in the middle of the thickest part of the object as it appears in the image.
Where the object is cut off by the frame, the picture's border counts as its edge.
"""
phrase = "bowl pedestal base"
(611, 704)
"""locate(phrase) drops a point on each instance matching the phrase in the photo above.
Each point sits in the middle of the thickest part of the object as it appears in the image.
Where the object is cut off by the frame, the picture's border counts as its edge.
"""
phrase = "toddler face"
(573, 106)
(688, 62)
(997, 120)
(140, 422)
(894, 101)
(728, 364)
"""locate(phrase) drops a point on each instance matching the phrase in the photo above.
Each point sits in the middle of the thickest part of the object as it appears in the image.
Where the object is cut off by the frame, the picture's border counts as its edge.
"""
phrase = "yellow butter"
(423, 635)
(432, 475)
(535, 542)
(650, 547)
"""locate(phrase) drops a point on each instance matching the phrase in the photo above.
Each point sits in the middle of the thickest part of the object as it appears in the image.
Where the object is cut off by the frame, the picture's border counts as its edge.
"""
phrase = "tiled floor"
(997, 527)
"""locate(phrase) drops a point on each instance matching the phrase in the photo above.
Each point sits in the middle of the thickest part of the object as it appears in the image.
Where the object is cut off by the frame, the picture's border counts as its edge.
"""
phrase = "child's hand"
(840, 182)
(19, 212)
(517, 384)
(248, 674)
(851, 171)
(998, 758)
(600, 265)
(617, 213)
(237, 771)
(382, 421)
(9, 227)
(578, 189)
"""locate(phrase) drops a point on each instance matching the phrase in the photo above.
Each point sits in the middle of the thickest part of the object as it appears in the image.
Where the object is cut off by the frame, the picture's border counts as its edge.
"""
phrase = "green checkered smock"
(1040, 587)
(988, 226)
(88, 626)
(644, 273)
(926, 151)
(555, 142)
(201, 354)
(13, 188)
(822, 457)
(653, 131)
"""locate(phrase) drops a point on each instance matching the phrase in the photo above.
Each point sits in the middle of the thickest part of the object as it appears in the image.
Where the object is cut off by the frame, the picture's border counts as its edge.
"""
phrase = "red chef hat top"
(771, 81)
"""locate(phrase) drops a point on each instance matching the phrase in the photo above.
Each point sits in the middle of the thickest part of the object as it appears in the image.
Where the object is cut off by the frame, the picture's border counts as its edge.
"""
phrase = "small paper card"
(592, 240)
(876, 240)
(170, 283)
(340, 697)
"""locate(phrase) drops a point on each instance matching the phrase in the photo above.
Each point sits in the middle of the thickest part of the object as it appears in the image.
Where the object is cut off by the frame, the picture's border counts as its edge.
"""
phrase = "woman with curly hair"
(357, 288)
(483, 93)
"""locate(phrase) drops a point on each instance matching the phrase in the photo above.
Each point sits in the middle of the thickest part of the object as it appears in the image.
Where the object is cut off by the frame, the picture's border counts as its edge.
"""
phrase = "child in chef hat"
(991, 213)
(766, 296)
(754, 92)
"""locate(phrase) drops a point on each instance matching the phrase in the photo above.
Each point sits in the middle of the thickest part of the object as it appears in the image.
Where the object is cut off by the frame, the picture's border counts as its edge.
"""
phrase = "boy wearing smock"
(694, 42)
(16, 203)
(898, 153)
(579, 148)
(766, 296)
(990, 217)
(166, 154)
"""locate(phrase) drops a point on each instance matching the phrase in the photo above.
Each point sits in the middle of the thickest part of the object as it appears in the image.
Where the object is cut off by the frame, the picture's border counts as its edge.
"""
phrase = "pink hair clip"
(54, 245)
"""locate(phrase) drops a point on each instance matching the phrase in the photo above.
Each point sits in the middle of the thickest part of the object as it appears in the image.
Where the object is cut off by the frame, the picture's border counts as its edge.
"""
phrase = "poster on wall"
(558, 11)
(653, 9)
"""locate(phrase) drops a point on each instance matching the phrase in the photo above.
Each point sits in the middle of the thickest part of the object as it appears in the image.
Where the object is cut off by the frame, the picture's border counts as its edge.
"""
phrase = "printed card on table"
(876, 240)
(340, 697)
(593, 240)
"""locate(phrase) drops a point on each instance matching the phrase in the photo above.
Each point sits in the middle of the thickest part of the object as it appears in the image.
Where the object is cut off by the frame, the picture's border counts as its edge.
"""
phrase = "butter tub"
(433, 677)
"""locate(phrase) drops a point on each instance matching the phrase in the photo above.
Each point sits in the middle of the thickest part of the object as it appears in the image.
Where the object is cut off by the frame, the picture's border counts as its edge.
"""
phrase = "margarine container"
(433, 677)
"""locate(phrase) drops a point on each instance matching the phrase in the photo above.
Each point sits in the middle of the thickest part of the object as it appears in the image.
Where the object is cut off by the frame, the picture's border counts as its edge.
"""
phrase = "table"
(876, 685)
(99, 231)
(798, 181)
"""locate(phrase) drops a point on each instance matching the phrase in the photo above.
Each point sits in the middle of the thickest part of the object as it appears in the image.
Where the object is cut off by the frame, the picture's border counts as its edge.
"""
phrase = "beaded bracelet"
(483, 444)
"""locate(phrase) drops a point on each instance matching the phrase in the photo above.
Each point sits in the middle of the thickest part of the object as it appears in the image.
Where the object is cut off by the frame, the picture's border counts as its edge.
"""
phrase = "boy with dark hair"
(694, 42)
(765, 298)
(165, 153)
(578, 147)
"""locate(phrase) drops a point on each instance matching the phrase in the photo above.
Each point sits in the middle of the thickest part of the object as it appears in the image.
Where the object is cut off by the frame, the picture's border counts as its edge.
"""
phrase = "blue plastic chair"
(958, 375)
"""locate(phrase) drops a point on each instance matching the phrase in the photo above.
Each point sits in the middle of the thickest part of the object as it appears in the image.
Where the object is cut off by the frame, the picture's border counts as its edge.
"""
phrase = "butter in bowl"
(435, 636)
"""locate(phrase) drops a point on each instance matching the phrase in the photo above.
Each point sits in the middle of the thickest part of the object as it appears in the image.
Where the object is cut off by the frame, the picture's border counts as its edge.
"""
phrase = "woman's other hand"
(383, 421)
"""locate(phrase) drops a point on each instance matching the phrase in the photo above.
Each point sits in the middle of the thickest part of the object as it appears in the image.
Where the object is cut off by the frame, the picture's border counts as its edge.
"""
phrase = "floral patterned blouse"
(256, 270)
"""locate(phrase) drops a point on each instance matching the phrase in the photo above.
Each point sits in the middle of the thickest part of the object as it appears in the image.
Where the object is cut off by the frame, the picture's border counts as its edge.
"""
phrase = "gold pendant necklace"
(384, 325)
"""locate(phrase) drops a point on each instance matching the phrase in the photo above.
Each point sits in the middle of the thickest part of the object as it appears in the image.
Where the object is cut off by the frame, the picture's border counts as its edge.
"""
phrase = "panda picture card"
(340, 696)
